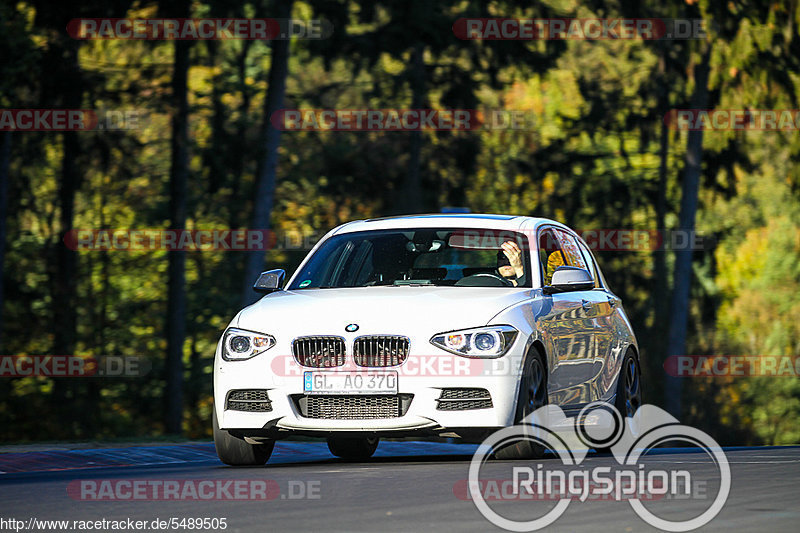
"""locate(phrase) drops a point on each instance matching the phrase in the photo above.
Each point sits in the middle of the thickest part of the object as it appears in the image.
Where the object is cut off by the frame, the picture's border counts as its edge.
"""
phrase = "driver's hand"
(514, 254)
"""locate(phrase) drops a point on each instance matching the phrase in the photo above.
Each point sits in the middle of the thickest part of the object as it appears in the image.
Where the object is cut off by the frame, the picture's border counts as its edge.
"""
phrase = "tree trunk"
(268, 162)
(236, 218)
(5, 161)
(410, 200)
(64, 274)
(241, 134)
(176, 291)
(679, 308)
(661, 292)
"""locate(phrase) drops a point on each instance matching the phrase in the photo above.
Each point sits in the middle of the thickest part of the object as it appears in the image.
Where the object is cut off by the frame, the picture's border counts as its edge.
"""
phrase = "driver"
(509, 263)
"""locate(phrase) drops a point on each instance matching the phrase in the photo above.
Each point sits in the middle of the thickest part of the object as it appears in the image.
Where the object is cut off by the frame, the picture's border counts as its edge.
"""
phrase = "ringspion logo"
(598, 425)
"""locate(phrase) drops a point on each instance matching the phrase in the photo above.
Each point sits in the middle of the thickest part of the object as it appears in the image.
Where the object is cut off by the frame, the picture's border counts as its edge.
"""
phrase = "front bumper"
(420, 377)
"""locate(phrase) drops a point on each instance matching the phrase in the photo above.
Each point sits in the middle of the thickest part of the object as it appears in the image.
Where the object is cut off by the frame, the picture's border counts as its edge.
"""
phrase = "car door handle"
(587, 305)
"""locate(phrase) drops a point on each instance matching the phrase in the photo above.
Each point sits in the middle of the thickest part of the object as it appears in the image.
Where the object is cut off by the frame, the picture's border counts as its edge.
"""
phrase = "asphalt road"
(406, 487)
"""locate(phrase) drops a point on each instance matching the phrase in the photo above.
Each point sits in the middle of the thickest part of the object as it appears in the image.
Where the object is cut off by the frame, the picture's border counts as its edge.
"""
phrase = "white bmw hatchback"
(427, 325)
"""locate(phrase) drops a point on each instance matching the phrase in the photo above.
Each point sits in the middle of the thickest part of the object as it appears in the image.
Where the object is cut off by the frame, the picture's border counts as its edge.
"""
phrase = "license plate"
(350, 382)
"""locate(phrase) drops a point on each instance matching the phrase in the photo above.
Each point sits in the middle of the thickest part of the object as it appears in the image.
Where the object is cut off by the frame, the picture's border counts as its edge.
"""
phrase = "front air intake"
(463, 399)
(252, 400)
(352, 407)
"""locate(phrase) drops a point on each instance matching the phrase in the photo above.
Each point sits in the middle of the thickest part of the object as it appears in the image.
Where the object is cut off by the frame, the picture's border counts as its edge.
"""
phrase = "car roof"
(444, 220)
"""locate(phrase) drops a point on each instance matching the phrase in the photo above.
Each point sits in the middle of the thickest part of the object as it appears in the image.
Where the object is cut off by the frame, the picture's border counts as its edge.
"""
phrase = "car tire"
(353, 448)
(629, 389)
(531, 396)
(234, 451)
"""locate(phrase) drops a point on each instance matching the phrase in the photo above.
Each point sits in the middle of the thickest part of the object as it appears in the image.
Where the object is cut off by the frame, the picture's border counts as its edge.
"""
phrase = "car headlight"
(489, 341)
(240, 344)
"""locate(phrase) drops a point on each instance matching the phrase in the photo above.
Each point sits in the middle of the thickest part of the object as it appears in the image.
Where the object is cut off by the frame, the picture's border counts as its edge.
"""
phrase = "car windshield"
(414, 257)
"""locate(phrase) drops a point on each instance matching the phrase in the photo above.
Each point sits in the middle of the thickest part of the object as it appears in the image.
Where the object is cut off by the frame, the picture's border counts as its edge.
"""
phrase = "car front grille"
(380, 350)
(319, 351)
(352, 407)
(253, 400)
(463, 399)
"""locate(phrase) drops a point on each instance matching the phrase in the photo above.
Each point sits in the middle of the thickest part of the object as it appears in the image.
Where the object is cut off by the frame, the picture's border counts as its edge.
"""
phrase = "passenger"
(509, 263)
(554, 260)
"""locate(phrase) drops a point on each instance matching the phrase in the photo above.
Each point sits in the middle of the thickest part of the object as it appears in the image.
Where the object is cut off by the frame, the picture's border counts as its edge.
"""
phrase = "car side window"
(550, 255)
(591, 264)
(572, 253)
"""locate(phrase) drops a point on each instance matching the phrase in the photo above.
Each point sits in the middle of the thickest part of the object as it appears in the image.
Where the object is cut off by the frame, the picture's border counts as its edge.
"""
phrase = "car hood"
(377, 310)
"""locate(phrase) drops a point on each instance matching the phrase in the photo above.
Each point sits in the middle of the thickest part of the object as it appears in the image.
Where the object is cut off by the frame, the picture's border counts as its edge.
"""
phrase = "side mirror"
(567, 278)
(270, 281)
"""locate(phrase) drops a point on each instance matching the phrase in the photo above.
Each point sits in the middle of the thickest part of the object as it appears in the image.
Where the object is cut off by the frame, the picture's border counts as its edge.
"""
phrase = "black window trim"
(527, 265)
(596, 275)
(539, 232)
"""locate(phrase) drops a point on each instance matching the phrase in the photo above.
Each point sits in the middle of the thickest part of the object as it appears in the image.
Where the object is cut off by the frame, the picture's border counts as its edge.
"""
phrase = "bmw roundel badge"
(351, 327)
